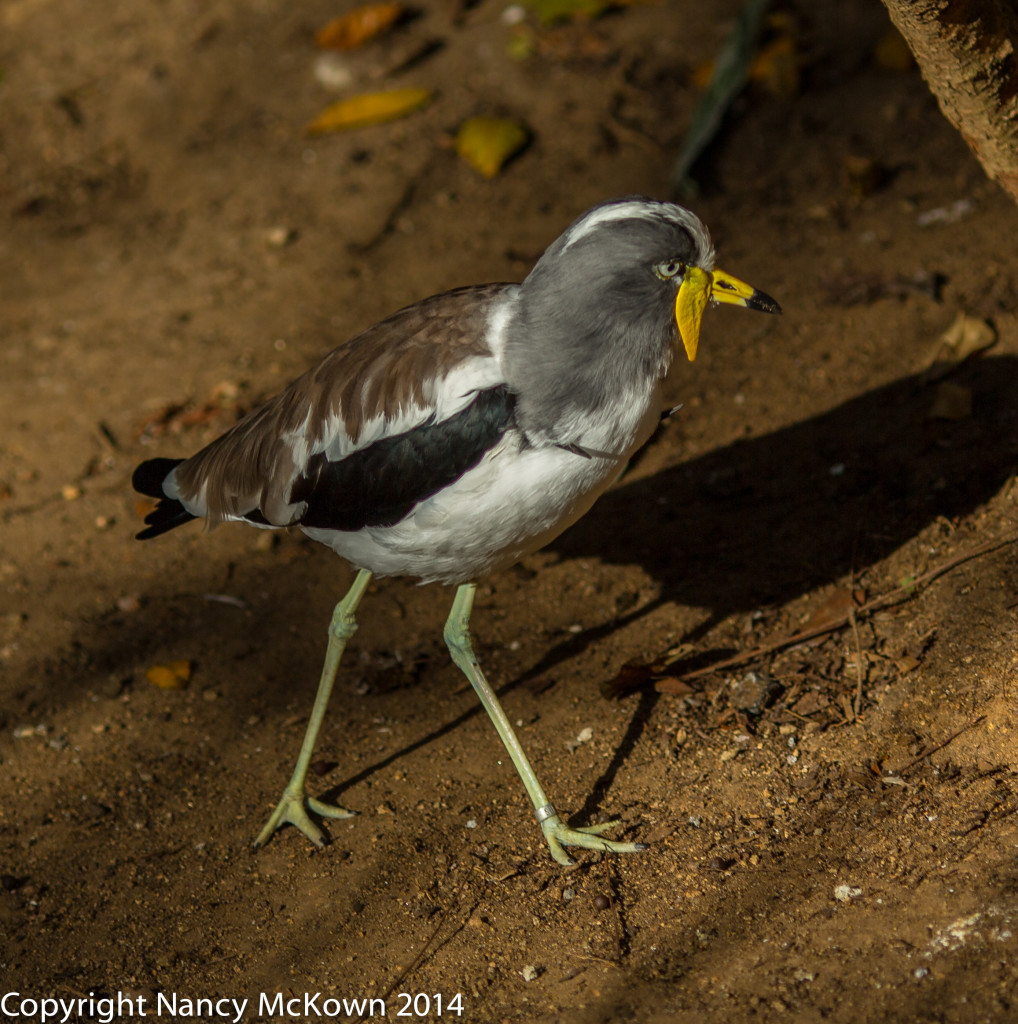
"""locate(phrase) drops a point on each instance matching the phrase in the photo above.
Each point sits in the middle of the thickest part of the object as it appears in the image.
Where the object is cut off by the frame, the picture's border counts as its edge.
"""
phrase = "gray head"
(596, 316)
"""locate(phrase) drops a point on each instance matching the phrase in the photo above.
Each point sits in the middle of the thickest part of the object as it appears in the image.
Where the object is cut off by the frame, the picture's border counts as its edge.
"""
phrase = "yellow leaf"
(367, 109)
(172, 676)
(486, 143)
(358, 26)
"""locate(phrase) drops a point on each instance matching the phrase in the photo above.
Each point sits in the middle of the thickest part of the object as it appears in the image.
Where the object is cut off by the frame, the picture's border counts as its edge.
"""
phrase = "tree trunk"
(966, 52)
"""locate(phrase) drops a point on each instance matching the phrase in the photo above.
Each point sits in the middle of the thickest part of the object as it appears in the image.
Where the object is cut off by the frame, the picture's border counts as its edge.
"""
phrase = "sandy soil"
(831, 824)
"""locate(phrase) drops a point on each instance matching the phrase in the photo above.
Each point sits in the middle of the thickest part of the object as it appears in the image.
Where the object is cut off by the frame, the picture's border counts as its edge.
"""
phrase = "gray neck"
(576, 346)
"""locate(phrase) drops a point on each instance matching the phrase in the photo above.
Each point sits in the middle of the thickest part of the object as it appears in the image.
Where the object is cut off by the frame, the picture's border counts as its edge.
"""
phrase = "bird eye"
(672, 268)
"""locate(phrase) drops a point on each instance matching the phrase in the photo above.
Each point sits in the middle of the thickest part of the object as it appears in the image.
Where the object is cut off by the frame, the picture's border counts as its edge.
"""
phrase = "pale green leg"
(293, 807)
(556, 832)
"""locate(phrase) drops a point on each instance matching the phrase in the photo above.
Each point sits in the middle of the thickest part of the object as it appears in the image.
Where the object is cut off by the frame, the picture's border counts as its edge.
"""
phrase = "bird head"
(644, 262)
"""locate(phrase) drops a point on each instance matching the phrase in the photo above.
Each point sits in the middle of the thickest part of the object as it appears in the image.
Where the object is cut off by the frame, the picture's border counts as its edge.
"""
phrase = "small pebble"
(530, 972)
(279, 236)
(568, 894)
(333, 72)
(601, 902)
(584, 736)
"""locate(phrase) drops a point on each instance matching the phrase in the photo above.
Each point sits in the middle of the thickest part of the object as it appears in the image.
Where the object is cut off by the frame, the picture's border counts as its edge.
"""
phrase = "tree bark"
(966, 52)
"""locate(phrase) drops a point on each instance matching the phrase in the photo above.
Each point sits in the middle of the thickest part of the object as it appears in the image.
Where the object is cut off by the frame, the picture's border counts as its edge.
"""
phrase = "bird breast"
(517, 499)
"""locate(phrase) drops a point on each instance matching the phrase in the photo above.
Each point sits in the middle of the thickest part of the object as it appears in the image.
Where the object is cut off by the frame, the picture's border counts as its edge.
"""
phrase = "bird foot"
(292, 809)
(560, 835)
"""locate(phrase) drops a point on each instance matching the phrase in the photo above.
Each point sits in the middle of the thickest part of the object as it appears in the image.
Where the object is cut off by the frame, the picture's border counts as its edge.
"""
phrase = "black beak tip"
(763, 302)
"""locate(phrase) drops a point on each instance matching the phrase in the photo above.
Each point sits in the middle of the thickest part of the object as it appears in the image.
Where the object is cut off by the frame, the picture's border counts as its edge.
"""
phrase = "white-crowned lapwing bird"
(462, 433)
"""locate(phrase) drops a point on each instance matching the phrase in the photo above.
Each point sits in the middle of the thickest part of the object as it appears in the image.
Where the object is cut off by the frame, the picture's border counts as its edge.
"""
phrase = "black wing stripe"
(381, 484)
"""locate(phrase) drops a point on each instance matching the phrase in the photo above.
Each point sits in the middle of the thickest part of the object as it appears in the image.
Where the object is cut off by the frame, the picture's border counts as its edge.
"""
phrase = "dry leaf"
(633, 676)
(358, 26)
(486, 143)
(834, 610)
(906, 663)
(673, 686)
(172, 676)
(367, 109)
(966, 337)
(224, 406)
(809, 704)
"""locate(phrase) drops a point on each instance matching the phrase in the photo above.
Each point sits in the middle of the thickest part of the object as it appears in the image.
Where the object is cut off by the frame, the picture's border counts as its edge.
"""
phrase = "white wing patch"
(499, 321)
(443, 398)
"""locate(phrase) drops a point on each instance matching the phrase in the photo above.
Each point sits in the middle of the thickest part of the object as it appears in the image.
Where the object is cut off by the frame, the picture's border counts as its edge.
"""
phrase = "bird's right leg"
(293, 806)
(556, 832)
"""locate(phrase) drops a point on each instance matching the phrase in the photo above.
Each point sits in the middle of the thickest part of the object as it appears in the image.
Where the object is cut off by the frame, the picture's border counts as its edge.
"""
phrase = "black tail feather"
(169, 513)
(149, 476)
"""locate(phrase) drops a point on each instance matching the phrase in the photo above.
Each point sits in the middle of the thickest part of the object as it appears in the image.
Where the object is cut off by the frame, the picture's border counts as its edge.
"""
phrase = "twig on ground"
(939, 746)
(616, 916)
(857, 703)
(896, 596)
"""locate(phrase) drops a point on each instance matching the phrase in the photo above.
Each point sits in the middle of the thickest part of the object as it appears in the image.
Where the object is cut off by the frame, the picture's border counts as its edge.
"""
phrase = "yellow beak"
(698, 288)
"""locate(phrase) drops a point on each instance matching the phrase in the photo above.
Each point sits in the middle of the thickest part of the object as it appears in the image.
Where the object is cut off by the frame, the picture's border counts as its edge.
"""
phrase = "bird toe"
(559, 835)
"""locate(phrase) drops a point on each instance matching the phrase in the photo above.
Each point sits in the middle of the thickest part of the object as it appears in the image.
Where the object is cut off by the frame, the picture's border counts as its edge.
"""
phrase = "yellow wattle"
(691, 301)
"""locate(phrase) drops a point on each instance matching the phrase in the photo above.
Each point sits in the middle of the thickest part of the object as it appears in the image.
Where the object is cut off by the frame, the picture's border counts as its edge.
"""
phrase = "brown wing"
(385, 371)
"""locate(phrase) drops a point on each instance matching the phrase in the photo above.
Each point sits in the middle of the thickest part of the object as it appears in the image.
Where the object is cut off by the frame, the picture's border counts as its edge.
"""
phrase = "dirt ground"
(831, 823)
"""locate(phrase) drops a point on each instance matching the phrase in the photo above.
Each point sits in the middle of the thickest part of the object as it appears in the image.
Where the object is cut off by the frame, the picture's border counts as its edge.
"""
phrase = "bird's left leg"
(292, 807)
(556, 832)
